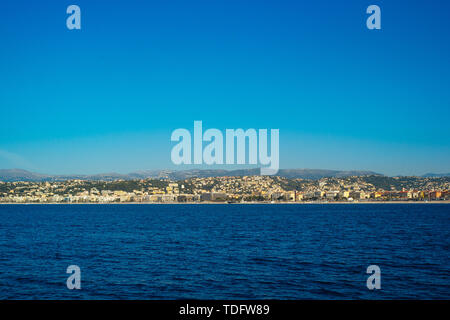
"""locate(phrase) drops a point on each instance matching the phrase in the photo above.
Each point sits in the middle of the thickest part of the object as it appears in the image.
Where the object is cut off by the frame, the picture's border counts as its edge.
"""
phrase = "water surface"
(225, 251)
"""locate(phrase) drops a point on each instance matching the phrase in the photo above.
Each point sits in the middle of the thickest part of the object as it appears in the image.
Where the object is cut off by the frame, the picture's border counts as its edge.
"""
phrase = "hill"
(11, 175)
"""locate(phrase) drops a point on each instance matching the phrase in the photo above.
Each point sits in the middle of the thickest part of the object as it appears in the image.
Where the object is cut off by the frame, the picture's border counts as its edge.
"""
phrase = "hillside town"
(233, 189)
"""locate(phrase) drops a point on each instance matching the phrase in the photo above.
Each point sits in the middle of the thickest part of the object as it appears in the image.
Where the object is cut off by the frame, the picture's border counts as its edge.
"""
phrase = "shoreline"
(226, 203)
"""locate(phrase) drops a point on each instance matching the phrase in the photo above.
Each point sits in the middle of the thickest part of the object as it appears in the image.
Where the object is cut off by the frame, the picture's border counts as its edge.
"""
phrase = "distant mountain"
(287, 173)
(315, 174)
(21, 175)
(436, 175)
(10, 175)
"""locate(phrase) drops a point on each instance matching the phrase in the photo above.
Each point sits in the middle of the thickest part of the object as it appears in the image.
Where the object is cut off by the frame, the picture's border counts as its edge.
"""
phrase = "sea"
(225, 251)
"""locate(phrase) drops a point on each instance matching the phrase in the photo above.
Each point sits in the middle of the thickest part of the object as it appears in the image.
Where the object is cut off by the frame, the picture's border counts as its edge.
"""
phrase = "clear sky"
(107, 97)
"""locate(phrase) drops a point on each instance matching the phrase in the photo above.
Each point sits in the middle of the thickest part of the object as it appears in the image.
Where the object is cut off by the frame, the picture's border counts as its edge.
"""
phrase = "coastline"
(226, 203)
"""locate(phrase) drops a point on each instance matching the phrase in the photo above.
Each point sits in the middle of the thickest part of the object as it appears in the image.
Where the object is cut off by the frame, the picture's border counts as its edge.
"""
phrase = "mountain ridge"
(14, 175)
(435, 175)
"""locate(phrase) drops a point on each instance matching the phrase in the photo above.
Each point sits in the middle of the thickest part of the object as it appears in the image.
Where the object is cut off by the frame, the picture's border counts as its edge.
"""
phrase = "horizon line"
(368, 172)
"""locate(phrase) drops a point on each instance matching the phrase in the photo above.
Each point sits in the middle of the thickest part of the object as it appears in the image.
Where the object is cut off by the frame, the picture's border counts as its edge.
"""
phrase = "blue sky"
(107, 97)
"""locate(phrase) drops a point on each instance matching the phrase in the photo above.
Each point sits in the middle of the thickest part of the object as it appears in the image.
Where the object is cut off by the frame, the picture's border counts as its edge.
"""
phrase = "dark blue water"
(225, 251)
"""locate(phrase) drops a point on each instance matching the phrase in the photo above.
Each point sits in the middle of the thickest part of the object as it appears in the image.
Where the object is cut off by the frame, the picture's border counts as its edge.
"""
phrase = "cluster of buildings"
(233, 189)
